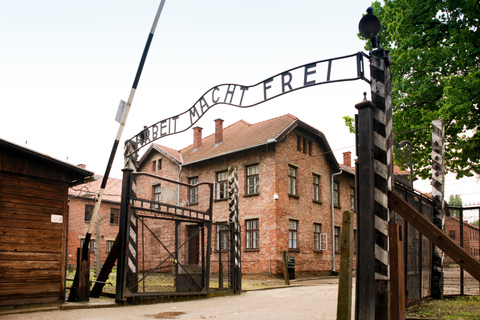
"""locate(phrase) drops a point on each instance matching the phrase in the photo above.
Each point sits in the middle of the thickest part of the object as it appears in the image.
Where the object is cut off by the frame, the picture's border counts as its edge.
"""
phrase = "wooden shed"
(33, 224)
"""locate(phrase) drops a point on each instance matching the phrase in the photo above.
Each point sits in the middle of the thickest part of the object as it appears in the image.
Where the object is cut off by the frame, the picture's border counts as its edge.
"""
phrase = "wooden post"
(397, 272)
(434, 234)
(344, 304)
(284, 257)
(365, 289)
(83, 276)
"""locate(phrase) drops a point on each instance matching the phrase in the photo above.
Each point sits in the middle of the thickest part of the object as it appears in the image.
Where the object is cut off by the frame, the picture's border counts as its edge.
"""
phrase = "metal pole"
(120, 130)
(99, 198)
(438, 182)
(122, 234)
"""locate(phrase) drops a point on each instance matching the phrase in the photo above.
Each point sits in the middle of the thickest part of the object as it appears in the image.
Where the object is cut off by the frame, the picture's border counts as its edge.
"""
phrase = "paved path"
(303, 300)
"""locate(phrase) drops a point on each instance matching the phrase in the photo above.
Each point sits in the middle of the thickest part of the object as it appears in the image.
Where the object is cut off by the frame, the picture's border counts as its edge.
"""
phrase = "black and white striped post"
(382, 163)
(383, 166)
(98, 200)
(235, 229)
(438, 182)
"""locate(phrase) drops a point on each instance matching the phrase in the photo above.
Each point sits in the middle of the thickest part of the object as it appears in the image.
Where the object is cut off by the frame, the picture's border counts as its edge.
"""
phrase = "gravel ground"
(303, 299)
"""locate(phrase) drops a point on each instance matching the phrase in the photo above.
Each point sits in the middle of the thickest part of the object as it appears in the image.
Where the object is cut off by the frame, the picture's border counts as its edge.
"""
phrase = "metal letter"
(230, 92)
(308, 72)
(286, 83)
(265, 87)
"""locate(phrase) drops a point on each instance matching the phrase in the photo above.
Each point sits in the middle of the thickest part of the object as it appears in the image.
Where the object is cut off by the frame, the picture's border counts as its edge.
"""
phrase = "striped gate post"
(235, 229)
(383, 172)
(130, 161)
(438, 182)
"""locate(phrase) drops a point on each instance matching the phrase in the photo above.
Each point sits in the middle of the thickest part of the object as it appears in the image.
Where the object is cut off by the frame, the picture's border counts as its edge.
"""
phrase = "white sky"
(65, 65)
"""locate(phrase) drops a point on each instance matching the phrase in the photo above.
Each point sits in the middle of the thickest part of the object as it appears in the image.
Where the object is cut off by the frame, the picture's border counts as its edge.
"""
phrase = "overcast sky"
(65, 65)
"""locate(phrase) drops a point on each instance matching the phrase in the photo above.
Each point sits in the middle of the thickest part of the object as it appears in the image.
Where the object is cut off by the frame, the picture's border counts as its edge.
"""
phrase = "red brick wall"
(470, 237)
(274, 215)
(77, 228)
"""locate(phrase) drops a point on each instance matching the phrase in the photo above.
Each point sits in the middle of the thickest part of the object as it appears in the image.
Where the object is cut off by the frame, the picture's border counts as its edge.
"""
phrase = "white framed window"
(336, 194)
(157, 192)
(221, 242)
(109, 245)
(316, 187)
(91, 245)
(252, 180)
(337, 239)
(292, 234)
(114, 216)
(221, 185)
(352, 198)
(292, 180)
(252, 234)
(193, 191)
(319, 238)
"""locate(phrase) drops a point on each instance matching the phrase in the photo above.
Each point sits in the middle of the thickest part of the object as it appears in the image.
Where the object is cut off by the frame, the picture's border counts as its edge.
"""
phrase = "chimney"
(83, 166)
(347, 159)
(218, 131)
(197, 138)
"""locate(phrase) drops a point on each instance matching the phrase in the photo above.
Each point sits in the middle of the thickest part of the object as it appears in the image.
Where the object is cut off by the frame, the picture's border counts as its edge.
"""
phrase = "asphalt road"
(316, 299)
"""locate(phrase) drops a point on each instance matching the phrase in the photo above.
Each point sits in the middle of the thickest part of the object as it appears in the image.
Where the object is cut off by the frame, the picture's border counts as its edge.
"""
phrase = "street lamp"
(369, 26)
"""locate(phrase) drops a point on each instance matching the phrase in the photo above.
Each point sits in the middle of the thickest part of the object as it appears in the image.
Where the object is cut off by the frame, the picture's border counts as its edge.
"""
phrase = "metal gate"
(417, 248)
(166, 244)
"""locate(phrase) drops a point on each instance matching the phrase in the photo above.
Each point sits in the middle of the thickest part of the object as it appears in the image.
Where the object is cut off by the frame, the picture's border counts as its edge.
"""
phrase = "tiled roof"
(113, 189)
(173, 154)
(238, 136)
(242, 135)
(347, 169)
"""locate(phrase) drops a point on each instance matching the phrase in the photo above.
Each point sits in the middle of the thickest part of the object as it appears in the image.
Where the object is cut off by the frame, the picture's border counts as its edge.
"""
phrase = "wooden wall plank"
(25, 216)
(30, 256)
(31, 240)
(29, 208)
(32, 273)
(39, 187)
(23, 301)
(34, 202)
(28, 232)
(30, 265)
(32, 225)
(18, 247)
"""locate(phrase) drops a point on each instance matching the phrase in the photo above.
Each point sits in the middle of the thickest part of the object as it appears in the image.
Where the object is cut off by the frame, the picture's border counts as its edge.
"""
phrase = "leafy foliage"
(435, 50)
(350, 123)
(455, 201)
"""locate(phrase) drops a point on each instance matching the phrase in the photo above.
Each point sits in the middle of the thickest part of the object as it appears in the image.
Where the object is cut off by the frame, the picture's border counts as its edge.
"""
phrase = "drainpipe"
(333, 221)
(178, 187)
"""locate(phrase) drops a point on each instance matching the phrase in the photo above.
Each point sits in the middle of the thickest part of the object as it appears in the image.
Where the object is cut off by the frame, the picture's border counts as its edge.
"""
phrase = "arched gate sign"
(307, 75)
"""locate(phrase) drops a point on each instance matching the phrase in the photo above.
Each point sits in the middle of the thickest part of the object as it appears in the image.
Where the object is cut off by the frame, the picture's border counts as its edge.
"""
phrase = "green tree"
(435, 71)
(475, 223)
(455, 201)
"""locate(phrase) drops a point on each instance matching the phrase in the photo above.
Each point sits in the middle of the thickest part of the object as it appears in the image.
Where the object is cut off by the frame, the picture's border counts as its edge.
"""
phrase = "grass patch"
(457, 308)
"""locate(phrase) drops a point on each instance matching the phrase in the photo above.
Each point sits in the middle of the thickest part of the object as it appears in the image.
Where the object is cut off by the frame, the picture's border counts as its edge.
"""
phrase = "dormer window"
(304, 145)
(157, 165)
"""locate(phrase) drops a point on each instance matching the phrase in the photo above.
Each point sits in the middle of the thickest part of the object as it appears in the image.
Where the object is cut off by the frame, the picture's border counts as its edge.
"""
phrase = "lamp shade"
(369, 25)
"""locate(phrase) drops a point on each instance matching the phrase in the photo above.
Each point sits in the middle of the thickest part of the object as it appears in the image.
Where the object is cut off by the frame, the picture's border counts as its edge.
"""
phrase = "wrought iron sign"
(311, 74)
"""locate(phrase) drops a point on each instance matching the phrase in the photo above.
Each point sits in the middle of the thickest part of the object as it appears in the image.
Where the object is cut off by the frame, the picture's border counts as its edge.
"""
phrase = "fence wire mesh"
(456, 280)
(418, 251)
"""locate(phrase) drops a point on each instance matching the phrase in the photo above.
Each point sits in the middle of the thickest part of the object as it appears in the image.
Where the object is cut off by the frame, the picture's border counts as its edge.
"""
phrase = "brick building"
(81, 200)
(471, 236)
(287, 176)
